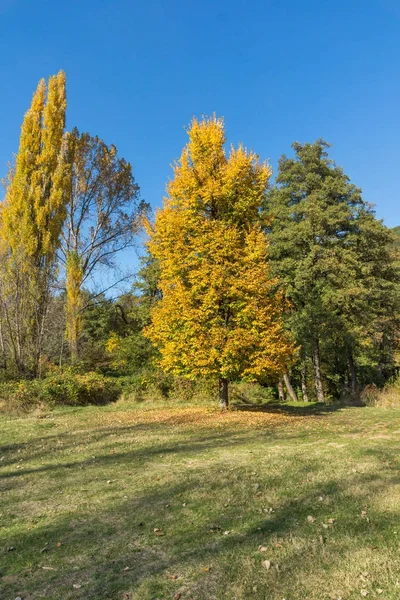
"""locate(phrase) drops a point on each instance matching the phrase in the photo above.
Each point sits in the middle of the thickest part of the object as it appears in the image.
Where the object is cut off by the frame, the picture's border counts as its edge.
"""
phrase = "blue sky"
(278, 71)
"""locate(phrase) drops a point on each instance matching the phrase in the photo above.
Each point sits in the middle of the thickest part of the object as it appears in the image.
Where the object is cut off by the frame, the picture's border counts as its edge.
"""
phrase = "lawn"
(166, 502)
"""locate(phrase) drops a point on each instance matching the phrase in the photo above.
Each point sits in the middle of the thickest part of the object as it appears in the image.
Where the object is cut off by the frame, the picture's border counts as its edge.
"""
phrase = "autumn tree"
(334, 263)
(104, 214)
(219, 316)
(32, 216)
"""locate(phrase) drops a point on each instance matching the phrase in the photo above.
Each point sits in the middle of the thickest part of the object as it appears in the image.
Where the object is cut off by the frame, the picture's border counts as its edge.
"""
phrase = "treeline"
(293, 284)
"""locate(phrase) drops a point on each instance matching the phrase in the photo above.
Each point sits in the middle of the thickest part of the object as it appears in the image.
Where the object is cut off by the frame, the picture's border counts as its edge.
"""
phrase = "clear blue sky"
(277, 70)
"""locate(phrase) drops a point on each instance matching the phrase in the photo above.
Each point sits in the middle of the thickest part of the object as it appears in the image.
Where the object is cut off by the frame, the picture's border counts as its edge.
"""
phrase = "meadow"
(169, 501)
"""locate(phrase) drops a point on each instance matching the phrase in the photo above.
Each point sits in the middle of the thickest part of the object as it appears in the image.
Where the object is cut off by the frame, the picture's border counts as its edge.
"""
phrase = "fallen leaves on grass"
(203, 417)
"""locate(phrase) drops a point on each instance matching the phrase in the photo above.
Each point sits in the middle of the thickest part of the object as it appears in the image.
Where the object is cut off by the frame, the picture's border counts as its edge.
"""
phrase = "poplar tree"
(219, 316)
(32, 217)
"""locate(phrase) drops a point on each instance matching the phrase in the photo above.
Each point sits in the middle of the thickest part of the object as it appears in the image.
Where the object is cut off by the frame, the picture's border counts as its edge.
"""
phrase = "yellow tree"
(32, 217)
(74, 303)
(219, 316)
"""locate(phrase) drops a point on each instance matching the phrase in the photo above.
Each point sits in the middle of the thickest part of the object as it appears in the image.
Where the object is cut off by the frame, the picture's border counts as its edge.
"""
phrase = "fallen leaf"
(266, 564)
(127, 569)
(227, 532)
(331, 521)
(310, 519)
(59, 544)
(364, 592)
(262, 548)
(77, 586)
(173, 576)
(177, 596)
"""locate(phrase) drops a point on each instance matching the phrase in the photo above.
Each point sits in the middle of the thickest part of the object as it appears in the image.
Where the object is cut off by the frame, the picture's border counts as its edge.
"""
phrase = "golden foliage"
(74, 276)
(34, 207)
(32, 216)
(219, 315)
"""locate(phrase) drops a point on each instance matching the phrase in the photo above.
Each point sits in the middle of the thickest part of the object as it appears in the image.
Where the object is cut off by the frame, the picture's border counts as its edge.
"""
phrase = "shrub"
(386, 397)
(154, 385)
(65, 388)
(370, 395)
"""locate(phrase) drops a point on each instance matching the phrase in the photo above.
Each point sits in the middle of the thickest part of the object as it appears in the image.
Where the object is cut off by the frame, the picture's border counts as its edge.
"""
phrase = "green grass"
(82, 491)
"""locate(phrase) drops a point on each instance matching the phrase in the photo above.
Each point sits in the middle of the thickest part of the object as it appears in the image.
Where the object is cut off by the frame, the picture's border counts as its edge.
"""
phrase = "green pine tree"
(334, 261)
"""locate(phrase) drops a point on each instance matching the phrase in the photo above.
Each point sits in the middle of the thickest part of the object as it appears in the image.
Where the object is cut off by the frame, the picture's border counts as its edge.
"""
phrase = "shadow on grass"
(301, 410)
(117, 550)
(110, 548)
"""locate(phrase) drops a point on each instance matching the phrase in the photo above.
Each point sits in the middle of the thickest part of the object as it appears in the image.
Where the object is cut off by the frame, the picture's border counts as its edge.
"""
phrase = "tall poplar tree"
(334, 262)
(32, 216)
(219, 316)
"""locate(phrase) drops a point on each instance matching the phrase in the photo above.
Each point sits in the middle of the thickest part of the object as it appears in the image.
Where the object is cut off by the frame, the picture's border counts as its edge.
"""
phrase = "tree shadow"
(303, 410)
(135, 557)
(111, 549)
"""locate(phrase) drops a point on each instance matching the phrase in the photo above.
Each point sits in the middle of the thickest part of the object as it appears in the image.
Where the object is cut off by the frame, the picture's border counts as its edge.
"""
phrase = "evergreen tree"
(334, 262)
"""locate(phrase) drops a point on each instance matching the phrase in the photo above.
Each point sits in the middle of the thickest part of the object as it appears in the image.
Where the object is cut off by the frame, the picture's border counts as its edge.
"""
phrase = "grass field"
(166, 502)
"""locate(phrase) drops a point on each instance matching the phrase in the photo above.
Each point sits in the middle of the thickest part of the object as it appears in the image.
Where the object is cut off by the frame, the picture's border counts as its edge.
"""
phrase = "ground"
(160, 502)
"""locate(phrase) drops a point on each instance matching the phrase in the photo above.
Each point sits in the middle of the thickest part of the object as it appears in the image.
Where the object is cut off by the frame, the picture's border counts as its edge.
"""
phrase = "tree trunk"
(353, 373)
(223, 393)
(2, 345)
(317, 373)
(289, 387)
(281, 393)
(304, 382)
(73, 344)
